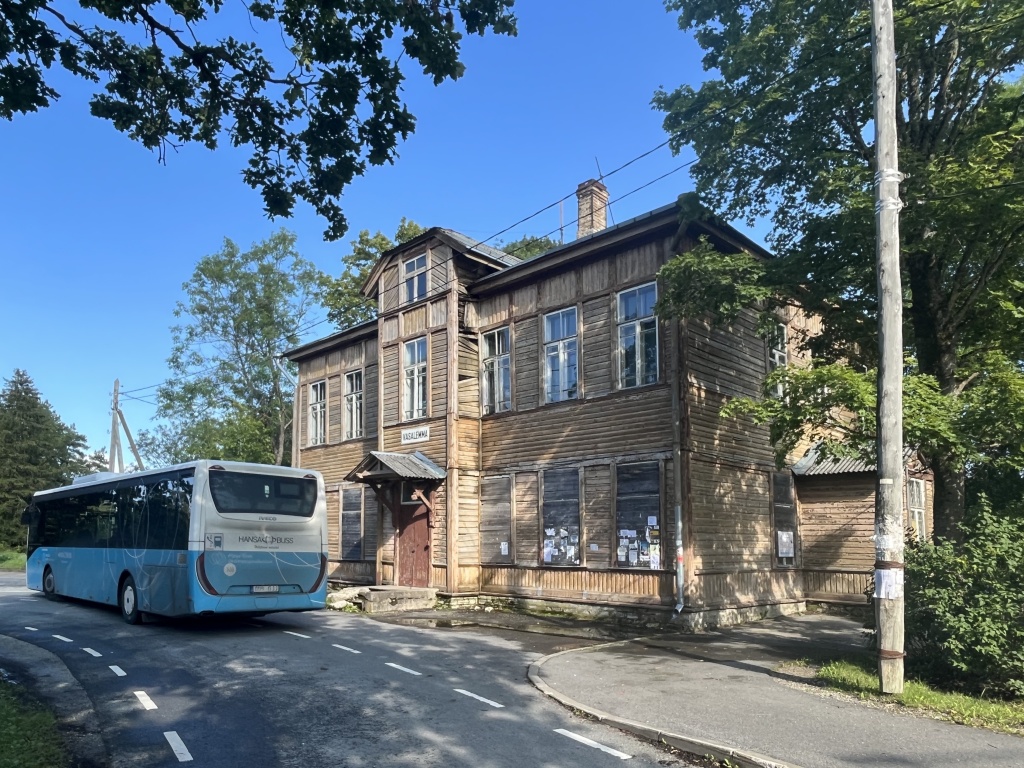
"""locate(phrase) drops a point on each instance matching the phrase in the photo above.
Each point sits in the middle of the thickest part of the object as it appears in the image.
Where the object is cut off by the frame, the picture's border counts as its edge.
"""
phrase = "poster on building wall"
(562, 545)
(786, 544)
(640, 547)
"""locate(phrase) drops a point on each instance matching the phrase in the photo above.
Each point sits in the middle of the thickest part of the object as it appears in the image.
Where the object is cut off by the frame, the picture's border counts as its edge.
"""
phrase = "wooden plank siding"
(731, 518)
(837, 521)
(622, 587)
(598, 516)
(632, 422)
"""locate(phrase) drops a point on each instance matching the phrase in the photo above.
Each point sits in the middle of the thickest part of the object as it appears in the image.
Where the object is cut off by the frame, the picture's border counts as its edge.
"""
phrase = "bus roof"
(106, 478)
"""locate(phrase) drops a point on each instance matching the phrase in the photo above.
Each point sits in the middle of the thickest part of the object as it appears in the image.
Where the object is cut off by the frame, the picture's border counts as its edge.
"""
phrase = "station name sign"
(415, 435)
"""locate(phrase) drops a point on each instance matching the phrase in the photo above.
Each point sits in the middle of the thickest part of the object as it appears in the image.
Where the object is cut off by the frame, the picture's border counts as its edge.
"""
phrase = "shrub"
(965, 607)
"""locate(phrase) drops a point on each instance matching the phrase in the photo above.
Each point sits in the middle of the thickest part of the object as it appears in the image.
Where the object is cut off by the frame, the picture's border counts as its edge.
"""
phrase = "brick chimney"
(592, 196)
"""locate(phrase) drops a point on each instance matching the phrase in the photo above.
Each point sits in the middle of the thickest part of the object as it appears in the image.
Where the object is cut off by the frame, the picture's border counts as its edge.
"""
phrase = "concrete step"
(383, 598)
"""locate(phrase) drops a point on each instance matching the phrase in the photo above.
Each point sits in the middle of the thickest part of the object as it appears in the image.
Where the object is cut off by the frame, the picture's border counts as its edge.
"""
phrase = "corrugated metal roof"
(408, 466)
(810, 465)
(414, 466)
(474, 245)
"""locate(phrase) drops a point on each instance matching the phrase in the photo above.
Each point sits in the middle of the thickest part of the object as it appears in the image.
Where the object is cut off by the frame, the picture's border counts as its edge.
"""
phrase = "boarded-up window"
(561, 517)
(638, 515)
(496, 520)
(358, 524)
(784, 519)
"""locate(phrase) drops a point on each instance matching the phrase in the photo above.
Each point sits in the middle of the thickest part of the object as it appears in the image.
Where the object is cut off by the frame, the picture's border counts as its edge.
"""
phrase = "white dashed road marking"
(480, 698)
(594, 744)
(146, 701)
(117, 670)
(180, 750)
(297, 634)
(404, 669)
(345, 648)
(32, 629)
(65, 639)
(91, 652)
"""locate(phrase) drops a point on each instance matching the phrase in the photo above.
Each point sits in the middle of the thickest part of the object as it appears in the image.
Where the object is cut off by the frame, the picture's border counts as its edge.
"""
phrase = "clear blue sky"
(97, 237)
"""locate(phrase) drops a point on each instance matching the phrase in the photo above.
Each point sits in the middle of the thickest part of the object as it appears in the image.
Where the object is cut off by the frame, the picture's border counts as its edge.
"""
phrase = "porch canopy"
(385, 471)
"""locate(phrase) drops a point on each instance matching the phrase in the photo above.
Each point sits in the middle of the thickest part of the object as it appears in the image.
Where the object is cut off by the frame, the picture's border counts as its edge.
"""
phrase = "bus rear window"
(237, 493)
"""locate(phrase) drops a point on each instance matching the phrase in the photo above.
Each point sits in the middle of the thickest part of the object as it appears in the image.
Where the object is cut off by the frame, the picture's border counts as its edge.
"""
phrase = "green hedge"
(965, 607)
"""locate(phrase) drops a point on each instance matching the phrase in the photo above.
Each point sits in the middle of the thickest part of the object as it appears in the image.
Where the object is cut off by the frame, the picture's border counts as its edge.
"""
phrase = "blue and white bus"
(200, 538)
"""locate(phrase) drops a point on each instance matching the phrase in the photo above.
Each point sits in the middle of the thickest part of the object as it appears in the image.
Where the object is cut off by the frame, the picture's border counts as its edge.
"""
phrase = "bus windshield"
(249, 493)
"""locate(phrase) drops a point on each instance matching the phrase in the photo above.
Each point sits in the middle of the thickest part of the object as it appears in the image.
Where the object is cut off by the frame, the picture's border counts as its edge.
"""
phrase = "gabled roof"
(366, 328)
(465, 245)
(388, 465)
(699, 221)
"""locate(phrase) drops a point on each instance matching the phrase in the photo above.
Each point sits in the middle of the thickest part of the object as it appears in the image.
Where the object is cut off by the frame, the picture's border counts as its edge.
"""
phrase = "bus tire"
(49, 584)
(128, 599)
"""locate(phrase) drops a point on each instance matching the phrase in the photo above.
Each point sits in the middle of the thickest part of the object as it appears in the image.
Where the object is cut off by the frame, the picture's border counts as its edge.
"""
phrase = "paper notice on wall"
(621, 553)
(549, 531)
(655, 557)
(549, 547)
(594, 548)
(889, 583)
(504, 548)
(652, 520)
(786, 545)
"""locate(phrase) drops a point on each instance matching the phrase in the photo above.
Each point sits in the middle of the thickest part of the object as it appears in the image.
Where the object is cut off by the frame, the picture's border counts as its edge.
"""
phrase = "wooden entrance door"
(413, 546)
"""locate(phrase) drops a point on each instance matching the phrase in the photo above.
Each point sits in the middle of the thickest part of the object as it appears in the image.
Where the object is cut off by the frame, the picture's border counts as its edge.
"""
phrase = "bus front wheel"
(49, 585)
(130, 601)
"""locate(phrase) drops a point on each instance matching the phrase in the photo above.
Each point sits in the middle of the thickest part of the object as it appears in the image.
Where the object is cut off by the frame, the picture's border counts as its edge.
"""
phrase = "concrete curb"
(687, 744)
(50, 680)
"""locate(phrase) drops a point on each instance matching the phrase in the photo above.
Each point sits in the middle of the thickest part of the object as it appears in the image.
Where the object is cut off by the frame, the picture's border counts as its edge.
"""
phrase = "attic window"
(414, 278)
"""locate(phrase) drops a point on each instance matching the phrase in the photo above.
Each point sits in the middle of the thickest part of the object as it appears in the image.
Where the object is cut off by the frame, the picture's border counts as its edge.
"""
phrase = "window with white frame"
(638, 336)
(915, 503)
(414, 278)
(496, 387)
(560, 363)
(414, 380)
(317, 426)
(778, 352)
(353, 405)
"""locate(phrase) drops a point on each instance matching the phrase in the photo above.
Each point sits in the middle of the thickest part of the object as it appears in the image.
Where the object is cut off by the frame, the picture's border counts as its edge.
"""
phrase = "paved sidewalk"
(719, 689)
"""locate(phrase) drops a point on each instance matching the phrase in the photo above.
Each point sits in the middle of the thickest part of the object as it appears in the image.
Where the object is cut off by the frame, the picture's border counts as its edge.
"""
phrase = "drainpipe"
(677, 461)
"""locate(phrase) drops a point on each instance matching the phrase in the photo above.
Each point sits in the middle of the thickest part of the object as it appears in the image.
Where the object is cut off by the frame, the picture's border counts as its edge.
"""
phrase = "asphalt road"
(312, 689)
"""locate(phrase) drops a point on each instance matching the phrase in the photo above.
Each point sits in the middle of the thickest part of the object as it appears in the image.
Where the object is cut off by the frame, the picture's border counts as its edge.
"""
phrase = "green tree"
(37, 451)
(346, 304)
(782, 132)
(314, 114)
(527, 246)
(229, 396)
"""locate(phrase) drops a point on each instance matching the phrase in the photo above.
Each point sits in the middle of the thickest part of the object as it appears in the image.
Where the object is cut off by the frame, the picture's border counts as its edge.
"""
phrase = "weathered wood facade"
(544, 389)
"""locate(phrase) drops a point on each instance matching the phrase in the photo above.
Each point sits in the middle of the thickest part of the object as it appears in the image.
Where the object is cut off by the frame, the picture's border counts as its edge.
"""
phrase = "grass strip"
(12, 561)
(859, 676)
(28, 732)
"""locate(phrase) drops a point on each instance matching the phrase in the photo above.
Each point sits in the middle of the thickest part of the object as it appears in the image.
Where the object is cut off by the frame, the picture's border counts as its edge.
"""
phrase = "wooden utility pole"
(889, 489)
(117, 422)
(116, 463)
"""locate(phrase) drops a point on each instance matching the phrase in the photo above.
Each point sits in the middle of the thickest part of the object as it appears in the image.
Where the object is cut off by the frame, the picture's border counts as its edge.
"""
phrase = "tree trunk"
(937, 356)
(950, 481)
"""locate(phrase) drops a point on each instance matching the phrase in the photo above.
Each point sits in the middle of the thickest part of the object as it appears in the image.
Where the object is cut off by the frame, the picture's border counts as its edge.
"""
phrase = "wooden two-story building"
(531, 429)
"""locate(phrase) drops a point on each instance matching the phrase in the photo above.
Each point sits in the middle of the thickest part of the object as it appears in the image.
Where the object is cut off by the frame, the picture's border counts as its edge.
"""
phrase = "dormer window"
(414, 278)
